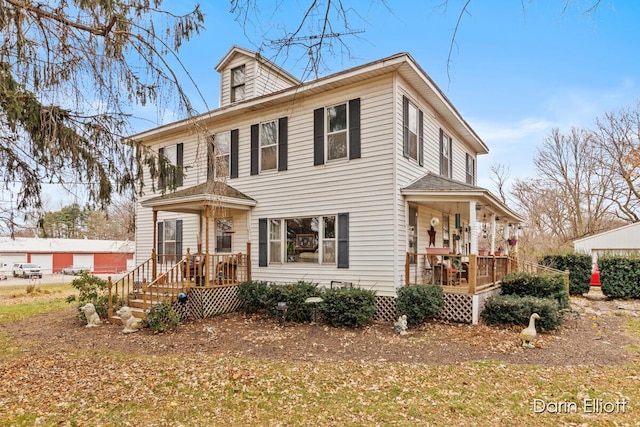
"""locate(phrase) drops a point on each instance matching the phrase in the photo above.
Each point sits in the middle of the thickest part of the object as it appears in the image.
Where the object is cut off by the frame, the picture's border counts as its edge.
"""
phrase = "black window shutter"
(235, 147)
(179, 238)
(405, 126)
(441, 151)
(160, 245)
(450, 142)
(318, 136)
(211, 157)
(283, 136)
(420, 138)
(354, 128)
(255, 147)
(343, 240)
(180, 163)
(262, 242)
(161, 171)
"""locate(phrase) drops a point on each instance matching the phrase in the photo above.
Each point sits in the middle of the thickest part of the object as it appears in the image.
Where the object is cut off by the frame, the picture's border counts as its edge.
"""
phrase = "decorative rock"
(131, 323)
(90, 314)
(401, 325)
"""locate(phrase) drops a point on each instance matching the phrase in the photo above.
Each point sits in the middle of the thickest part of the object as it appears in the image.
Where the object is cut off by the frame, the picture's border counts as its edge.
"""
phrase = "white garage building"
(619, 241)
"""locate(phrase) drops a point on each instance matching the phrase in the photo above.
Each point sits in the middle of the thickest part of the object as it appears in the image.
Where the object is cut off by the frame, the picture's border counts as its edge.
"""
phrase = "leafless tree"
(617, 140)
(499, 175)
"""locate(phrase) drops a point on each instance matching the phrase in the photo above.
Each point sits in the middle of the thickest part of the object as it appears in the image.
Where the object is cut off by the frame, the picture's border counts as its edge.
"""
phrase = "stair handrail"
(132, 281)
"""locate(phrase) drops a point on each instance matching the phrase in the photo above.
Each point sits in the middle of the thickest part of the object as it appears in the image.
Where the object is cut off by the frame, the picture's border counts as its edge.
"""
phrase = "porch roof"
(195, 199)
(437, 189)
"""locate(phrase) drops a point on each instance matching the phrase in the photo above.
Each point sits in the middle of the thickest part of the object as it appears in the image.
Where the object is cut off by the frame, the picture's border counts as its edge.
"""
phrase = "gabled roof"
(237, 50)
(194, 199)
(438, 188)
(401, 63)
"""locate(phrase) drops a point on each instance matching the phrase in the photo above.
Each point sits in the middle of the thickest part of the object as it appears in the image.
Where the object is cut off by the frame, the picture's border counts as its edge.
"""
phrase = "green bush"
(253, 296)
(351, 307)
(579, 266)
(550, 285)
(294, 294)
(91, 289)
(161, 317)
(620, 276)
(516, 310)
(420, 303)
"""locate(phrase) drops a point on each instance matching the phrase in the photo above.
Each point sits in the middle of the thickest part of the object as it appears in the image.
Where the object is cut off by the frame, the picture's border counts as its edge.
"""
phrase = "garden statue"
(528, 334)
(131, 323)
(401, 325)
(90, 314)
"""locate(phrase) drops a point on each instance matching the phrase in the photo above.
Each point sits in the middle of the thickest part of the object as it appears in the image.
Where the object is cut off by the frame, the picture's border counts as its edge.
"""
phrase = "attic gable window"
(237, 83)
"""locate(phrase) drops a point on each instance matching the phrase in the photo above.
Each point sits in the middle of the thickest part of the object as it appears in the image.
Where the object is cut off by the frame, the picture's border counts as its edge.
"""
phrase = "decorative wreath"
(435, 221)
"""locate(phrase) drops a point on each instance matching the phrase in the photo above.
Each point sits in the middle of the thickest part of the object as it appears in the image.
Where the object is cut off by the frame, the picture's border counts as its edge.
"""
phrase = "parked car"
(3, 270)
(26, 270)
(75, 270)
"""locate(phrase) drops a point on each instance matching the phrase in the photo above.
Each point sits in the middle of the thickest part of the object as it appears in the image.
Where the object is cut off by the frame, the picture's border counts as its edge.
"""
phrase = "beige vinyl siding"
(266, 81)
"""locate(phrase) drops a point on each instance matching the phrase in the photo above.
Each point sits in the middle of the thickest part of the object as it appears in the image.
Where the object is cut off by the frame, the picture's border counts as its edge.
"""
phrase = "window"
(220, 152)
(268, 145)
(304, 240)
(170, 166)
(471, 170)
(169, 241)
(337, 136)
(413, 139)
(413, 131)
(237, 84)
(413, 233)
(275, 241)
(446, 236)
(446, 158)
(224, 230)
(336, 132)
(329, 240)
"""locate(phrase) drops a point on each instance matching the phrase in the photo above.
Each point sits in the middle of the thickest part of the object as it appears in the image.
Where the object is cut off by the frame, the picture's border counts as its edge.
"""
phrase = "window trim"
(444, 138)
(179, 165)
(471, 174)
(212, 169)
(274, 144)
(327, 132)
(234, 86)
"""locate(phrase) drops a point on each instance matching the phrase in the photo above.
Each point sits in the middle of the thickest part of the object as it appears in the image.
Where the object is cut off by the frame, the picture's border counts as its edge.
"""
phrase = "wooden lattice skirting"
(208, 302)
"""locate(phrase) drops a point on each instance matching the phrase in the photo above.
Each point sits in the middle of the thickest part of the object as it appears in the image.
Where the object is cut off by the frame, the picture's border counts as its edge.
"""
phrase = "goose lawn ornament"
(529, 333)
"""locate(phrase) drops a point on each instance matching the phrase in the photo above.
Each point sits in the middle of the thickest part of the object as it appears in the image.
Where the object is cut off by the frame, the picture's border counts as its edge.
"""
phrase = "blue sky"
(514, 74)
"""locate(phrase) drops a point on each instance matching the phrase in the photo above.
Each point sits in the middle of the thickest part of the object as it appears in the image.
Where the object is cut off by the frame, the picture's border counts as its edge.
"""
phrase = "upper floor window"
(336, 132)
(446, 158)
(471, 169)
(269, 145)
(171, 166)
(337, 135)
(219, 155)
(412, 119)
(238, 83)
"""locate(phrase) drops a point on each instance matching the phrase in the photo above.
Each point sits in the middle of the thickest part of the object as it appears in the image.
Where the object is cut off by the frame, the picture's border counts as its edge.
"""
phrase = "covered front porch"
(459, 236)
(217, 259)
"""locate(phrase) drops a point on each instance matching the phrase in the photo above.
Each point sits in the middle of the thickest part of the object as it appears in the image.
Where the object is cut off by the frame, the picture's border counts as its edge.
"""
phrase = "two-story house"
(342, 178)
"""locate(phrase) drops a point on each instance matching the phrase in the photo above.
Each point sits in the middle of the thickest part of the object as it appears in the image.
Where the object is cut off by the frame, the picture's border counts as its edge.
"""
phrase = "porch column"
(473, 227)
(207, 213)
(493, 233)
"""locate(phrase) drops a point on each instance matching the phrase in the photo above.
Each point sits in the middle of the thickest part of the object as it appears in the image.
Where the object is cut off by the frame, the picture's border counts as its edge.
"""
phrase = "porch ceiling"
(447, 195)
(195, 199)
